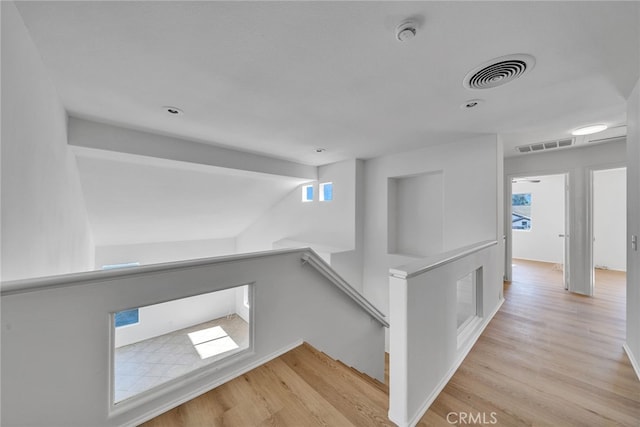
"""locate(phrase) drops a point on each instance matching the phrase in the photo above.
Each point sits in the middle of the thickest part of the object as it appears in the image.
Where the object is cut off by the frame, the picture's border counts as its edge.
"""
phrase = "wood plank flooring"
(549, 358)
(303, 387)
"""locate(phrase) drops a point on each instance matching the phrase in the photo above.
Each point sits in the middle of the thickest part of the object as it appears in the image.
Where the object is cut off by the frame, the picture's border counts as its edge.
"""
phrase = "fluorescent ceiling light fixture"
(588, 130)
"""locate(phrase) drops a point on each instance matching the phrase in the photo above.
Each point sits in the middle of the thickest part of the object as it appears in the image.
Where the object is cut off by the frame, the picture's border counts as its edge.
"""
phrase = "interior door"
(566, 235)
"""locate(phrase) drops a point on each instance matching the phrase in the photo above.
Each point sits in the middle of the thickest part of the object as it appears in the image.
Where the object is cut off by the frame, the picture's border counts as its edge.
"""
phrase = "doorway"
(608, 227)
(538, 223)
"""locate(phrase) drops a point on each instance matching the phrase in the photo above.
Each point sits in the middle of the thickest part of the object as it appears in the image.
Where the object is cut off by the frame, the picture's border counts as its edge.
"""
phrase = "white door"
(565, 235)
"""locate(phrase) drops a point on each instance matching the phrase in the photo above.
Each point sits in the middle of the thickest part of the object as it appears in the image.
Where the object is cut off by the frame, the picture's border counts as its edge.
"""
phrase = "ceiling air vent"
(565, 143)
(542, 146)
(498, 71)
(524, 149)
(609, 139)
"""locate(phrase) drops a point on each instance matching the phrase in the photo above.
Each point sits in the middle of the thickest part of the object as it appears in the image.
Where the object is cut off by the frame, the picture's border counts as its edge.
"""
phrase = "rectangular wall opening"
(469, 300)
(175, 338)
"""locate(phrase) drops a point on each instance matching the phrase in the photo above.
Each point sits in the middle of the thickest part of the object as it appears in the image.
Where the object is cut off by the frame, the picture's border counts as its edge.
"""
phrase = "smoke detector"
(406, 31)
(498, 71)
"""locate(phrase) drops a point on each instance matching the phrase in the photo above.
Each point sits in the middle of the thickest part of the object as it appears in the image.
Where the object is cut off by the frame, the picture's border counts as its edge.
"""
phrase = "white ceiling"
(132, 199)
(283, 78)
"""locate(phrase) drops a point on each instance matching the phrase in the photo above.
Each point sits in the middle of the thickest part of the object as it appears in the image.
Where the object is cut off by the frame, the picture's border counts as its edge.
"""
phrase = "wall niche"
(415, 214)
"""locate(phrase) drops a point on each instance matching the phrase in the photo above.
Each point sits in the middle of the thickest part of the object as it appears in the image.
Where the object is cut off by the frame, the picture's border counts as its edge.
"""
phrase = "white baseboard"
(463, 354)
(634, 361)
(195, 392)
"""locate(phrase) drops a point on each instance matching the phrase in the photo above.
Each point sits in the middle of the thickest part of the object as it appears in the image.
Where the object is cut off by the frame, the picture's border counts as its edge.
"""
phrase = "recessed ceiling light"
(174, 111)
(472, 103)
(588, 130)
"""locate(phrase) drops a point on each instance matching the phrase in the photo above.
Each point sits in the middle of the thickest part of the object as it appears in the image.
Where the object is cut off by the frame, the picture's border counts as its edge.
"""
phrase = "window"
(521, 211)
(326, 191)
(307, 193)
(126, 317)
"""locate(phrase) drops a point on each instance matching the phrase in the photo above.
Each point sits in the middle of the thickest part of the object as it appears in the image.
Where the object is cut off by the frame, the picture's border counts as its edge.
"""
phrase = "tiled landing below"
(146, 364)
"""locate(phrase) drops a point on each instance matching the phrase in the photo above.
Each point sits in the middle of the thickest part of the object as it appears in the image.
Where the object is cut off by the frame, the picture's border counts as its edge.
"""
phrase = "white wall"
(0, 151)
(160, 319)
(469, 175)
(157, 252)
(610, 219)
(632, 345)
(69, 387)
(350, 264)
(542, 243)
(329, 224)
(426, 346)
(45, 230)
(328, 227)
(577, 162)
(415, 214)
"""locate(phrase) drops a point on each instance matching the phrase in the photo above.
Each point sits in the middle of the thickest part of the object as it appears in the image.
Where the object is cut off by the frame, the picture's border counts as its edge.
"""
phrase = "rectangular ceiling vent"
(610, 139)
(542, 146)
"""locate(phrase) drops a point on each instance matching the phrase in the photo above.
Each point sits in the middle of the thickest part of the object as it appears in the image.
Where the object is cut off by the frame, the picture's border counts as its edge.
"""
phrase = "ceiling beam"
(101, 136)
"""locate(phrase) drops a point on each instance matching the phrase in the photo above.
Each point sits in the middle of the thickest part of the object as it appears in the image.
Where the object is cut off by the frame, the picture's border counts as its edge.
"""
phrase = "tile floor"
(146, 364)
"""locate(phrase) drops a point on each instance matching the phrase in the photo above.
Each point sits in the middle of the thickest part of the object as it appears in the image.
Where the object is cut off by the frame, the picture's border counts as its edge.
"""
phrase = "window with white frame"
(521, 211)
(307, 193)
(325, 191)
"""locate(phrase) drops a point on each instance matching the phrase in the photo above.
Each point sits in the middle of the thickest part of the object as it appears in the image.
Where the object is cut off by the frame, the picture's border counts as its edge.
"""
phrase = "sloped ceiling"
(283, 78)
(132, 201)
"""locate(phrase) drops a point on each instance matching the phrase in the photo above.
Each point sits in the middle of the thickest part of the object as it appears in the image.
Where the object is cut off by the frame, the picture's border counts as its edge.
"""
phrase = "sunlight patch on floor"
(212, 341)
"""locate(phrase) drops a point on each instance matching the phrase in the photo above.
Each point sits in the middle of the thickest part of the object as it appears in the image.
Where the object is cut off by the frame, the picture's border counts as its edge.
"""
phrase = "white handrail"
(74, 279)
(314, 260)
(308, 256)
(422, 266)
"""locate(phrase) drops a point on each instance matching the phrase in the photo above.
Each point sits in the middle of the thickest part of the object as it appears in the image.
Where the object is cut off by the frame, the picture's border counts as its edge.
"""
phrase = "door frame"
(590, 221)
(508, 231)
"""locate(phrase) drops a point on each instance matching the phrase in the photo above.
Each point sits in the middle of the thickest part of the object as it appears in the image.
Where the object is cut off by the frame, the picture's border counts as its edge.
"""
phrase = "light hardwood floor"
(304, 387)
(549, 358)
